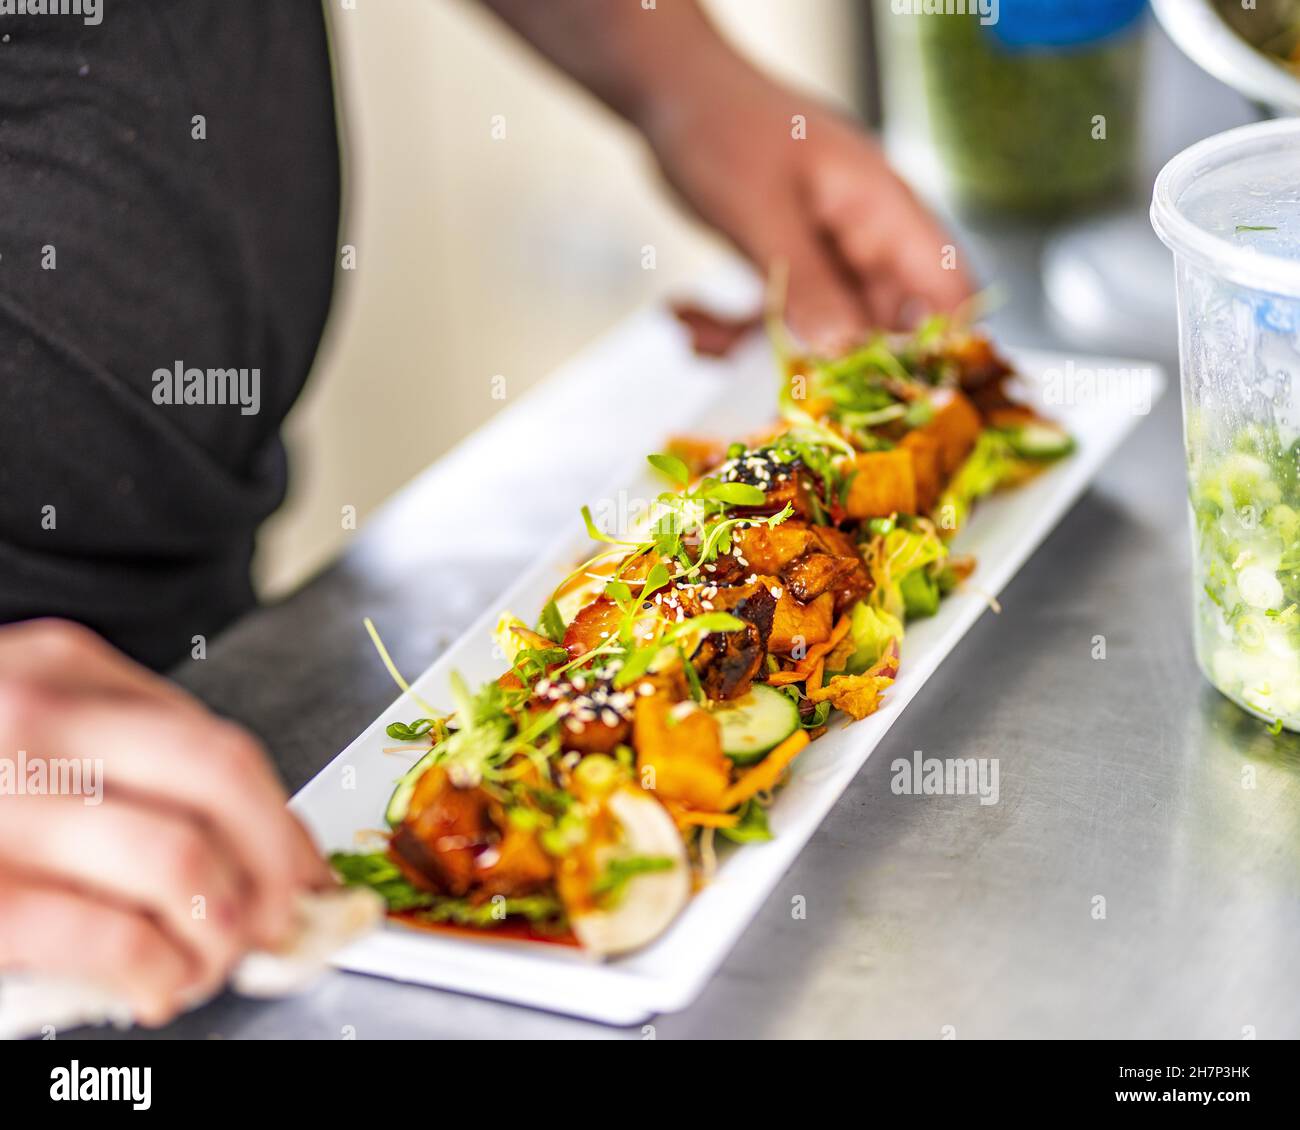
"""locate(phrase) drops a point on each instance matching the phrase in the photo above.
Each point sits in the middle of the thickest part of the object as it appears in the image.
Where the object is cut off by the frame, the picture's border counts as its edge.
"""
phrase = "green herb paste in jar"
(1037, 111)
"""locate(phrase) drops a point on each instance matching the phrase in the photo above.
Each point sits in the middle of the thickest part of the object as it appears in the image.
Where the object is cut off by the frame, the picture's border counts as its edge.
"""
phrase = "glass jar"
(1031, 105)
(1229, 208)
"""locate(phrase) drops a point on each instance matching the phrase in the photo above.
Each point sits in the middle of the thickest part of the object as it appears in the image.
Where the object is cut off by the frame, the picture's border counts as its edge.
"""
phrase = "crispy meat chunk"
(771, 549)
(955, 426)
(444, 830)
(796, 625)
(595, 715)
(978, 363)
(816, 573)
(831, 539)
(856, 582)
(728, 662)
(927, 467)
(458, 842)
(592, 626)
(515, 866)
(1008, 414)
(884, 484)
(680, 747)
(727, 569)
(593, 737)
(794, 487)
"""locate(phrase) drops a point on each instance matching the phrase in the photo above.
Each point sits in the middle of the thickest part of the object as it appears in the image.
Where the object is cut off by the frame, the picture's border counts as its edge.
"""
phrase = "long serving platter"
(1100, 400)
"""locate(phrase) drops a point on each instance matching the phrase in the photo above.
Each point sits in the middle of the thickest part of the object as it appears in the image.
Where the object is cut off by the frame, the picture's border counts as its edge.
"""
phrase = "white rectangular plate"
(351, 792)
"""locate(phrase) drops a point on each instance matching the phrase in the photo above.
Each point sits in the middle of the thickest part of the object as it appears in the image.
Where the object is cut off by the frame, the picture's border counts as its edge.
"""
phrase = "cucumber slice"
(755, 723)
(400, 801)
(1040, 441)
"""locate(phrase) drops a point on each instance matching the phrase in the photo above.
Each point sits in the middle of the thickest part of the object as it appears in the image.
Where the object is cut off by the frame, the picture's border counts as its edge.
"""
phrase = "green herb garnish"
(609, 887)
(551, 623)
(671, 467)
(752, 827)
(402, 732)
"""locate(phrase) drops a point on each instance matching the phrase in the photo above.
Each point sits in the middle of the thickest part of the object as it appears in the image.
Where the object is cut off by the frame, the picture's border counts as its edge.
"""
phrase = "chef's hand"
(789, 181)
(166, 857)
(795, 185)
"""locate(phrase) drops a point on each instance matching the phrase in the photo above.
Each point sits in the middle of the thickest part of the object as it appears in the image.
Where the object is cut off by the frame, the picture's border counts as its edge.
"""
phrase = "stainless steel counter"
(1124, 778)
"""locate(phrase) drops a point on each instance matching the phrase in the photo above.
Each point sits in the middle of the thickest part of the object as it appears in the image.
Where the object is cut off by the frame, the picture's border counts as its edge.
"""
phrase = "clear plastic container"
(1229, 208)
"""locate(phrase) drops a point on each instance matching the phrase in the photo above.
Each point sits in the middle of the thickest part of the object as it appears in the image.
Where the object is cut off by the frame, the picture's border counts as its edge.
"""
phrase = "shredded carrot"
(828, 645)
(814, 681)
(684, 816)
(813, 657)
(766, 773)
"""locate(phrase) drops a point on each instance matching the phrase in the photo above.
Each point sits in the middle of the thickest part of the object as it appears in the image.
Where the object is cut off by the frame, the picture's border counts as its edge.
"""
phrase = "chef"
(170, 175)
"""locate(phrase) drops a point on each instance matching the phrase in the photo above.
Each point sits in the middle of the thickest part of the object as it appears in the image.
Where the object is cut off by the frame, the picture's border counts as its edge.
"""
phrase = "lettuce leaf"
(891, 558)
(870, 630)
(993, 464)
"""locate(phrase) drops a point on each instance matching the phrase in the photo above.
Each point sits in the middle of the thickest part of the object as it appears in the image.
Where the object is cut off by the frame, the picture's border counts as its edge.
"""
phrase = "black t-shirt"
(169, 198)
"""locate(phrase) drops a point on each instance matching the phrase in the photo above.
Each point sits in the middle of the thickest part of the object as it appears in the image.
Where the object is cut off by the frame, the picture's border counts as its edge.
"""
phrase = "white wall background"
(476, 257)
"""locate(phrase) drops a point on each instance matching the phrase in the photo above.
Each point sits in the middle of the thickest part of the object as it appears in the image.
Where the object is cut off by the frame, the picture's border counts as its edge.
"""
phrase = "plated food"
(647, 715)
(1272, 27)
(1246, 535)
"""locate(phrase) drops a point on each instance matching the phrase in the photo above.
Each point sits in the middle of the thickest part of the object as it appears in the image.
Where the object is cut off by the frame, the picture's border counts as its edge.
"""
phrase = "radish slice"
(650, 901)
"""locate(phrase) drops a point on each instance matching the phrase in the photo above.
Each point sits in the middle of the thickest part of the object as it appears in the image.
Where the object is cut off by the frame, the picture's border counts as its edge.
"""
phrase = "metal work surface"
(1123, 778)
